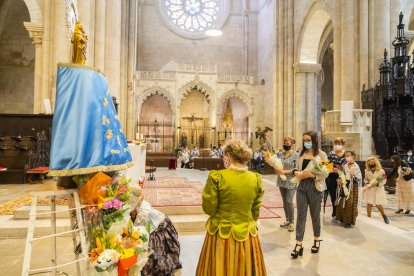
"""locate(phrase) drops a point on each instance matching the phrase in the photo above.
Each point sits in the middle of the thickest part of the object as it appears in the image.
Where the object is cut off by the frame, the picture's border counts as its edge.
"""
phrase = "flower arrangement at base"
(275, 162)
(114, 242)
(316, 167)
(407, 173)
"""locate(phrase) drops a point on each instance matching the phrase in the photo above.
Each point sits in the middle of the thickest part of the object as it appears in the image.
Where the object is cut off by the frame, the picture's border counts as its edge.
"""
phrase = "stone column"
(36, 33)
(348, 74)
(337, 55)
(99, 45)
(381, 22)
(363, 44)
(131, 68)
(113, 46)
(306, 108)
(86, 10)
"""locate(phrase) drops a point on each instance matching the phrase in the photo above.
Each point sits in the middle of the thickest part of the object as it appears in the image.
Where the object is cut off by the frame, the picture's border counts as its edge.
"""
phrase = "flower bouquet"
(275, 162)
(407, 173)
(316, 167)
(344, 192)
(375, 182)
(113, 240)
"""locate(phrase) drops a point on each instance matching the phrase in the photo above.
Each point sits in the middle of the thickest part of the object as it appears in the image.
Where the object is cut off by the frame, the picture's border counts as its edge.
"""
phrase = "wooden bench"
(39, 173)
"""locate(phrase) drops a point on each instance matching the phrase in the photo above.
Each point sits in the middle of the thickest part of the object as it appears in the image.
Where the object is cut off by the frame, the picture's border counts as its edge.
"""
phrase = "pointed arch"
(34, 11)
(152, 91)
(198, 85)
(237, 93)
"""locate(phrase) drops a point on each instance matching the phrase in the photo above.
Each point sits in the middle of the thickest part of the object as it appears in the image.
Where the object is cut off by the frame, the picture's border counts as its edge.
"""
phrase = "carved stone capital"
(35, 32)
(307, 68)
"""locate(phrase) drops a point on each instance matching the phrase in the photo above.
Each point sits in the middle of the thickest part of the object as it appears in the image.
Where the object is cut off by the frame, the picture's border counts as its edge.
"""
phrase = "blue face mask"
(308, 145)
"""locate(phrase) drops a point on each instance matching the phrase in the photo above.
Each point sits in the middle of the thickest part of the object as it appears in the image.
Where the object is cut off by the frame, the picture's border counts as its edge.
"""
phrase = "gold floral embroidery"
(105, 102)
(105, 120)
(121, 131)
(115, 151)
(126, 149)
(109, 134)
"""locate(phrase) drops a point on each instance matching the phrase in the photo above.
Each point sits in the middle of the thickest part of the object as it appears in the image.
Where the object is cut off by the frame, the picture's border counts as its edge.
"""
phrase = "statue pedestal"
(358, 134)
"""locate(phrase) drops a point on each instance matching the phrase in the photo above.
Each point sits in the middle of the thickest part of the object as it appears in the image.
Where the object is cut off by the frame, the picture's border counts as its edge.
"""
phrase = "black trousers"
(331, 184)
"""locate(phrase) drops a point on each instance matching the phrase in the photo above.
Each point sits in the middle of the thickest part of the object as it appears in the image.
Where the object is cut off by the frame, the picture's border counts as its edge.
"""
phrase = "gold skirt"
(221, 257)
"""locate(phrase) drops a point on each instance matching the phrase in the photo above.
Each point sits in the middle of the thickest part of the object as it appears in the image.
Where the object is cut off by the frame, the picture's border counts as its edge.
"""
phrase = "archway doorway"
(156, 123)
(233, 121)
(314, 72)
(195, 123)
(17, 56)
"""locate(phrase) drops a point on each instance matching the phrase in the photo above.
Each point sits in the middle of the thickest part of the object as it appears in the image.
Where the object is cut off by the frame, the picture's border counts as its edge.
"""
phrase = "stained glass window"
(194, 16)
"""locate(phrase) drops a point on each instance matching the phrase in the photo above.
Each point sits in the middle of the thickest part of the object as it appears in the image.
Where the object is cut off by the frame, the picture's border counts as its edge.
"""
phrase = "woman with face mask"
(232, 198)
(404, 186)
(347, 207)
(287, 189)
(309, 193)
(374, 181)
(409, 160)
(337, 157)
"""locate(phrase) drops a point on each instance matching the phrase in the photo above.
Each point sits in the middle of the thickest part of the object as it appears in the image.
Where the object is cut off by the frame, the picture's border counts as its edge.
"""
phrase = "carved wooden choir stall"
(392, 100)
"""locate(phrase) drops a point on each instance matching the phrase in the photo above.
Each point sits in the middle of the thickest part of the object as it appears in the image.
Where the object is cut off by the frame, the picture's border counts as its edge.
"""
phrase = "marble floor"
(371, 248)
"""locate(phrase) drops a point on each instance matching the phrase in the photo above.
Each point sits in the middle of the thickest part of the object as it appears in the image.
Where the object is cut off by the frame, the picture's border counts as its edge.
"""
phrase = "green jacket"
(232, 199)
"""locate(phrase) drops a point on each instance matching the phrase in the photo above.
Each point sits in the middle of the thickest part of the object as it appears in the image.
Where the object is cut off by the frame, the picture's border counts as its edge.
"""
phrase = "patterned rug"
(179, 191)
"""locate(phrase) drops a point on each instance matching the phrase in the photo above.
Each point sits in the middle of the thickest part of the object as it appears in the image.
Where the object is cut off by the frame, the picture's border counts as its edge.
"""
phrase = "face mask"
(226, 161)
(337, 147)
(372, 166)
(307, 145)
(410, 153)
(349, 160)
(287, 147)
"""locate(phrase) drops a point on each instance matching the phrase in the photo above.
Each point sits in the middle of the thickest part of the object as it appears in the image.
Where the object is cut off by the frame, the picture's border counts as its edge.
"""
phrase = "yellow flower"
(127, 253)
(135, 235)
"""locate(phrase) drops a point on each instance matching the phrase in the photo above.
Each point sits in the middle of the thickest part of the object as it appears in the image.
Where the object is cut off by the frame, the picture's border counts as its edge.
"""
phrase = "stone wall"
(16, 61)
(158, 45)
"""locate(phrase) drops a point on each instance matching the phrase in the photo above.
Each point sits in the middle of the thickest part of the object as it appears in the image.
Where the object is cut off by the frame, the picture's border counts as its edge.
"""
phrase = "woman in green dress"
(232, 199)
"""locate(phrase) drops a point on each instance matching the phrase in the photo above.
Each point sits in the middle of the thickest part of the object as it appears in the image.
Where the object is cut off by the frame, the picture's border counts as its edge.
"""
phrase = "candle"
(136, 136)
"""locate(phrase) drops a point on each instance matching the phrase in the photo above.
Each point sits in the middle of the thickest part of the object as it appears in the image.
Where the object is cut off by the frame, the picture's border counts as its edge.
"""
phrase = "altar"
(138, 153)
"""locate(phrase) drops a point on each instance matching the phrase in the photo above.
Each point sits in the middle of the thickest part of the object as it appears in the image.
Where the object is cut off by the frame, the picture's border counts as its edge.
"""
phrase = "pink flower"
(116, 179)
(117, 204)
(122, 189)
(108, 204)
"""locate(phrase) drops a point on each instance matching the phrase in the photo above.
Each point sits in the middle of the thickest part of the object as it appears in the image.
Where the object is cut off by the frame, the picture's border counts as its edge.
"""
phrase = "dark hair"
(315, 146)
(397, 161)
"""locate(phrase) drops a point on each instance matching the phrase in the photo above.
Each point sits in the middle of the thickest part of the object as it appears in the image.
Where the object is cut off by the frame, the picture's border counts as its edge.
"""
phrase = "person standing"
(337, 157)
(309, 192)
(374, 181)
(347, 207)
(404, 186)
(232, 198)
(287, 189)
(409, 160)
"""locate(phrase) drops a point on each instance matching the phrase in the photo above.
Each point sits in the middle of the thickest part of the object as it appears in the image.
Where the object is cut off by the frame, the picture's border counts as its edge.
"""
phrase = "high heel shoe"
(385, 219)
(399, 211)
(407, 212)
(314, 248)
(295, 253)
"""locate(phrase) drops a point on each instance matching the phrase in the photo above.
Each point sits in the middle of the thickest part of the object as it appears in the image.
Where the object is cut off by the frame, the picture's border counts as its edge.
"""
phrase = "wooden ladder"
(77, 228)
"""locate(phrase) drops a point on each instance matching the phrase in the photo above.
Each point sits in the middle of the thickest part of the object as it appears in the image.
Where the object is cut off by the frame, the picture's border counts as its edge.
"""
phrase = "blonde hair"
(238, 151)
(340, 140)
(377, 163)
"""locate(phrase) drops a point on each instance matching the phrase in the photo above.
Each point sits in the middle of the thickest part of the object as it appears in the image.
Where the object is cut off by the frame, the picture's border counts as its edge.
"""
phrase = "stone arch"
(311, 33)
(34, 11)
(198, 85)
(156, 90)
(236, 93)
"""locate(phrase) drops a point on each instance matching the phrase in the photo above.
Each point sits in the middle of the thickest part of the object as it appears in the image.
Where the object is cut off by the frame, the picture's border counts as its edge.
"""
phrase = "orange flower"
(135, 235)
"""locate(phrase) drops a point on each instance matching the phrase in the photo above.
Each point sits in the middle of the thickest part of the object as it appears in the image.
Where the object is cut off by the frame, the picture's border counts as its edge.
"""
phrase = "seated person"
(214, 153)
(195, 152)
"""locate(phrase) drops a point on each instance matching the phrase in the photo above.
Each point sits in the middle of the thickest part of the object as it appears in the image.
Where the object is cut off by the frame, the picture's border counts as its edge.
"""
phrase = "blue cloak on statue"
(86, 133)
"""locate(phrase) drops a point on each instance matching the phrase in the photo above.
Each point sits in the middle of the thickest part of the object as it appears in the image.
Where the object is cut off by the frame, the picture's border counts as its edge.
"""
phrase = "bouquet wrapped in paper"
(316, 167)
(407, 173)
(375, 182)
(275, 162)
